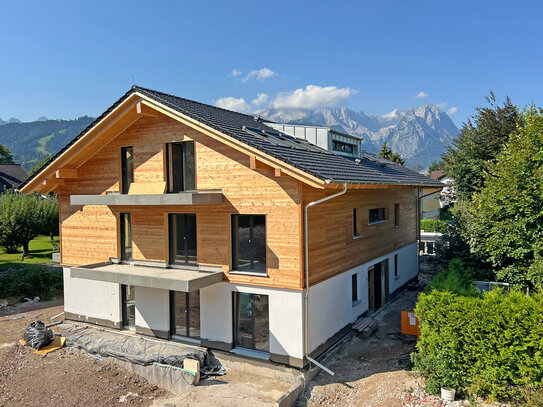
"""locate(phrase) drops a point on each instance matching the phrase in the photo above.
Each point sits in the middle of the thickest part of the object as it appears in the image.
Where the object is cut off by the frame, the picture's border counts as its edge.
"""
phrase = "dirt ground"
(67, 377)
(369, 372)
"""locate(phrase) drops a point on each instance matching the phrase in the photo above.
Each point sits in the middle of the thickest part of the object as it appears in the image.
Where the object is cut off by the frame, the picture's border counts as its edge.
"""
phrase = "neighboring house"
(430, 203)
(447, 194)
(185, 221)
(11, 176)
(332, 140)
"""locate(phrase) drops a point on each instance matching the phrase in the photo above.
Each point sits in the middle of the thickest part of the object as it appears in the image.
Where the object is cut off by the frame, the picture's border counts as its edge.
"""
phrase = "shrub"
(433, 225)
(456, 278)
(31, 281)
(486, 345)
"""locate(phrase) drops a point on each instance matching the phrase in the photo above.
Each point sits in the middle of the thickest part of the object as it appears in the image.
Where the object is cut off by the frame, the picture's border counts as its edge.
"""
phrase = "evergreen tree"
(386, 153)
(5, 155)
(479, 141)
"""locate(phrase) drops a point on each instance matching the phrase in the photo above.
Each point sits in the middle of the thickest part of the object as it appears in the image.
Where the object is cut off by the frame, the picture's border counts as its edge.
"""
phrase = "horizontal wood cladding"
(89, 233)
(332, 248)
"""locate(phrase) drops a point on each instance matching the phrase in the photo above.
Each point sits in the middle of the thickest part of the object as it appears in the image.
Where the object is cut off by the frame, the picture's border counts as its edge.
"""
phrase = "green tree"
(38, 165)
(23, 217)
(479, 141)
(505, 222)
(435, 166)
(386, 153)
(5, 155)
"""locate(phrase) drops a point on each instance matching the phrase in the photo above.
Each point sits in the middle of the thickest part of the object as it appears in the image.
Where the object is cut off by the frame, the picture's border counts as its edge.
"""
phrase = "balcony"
(202, 197)
(148, 276)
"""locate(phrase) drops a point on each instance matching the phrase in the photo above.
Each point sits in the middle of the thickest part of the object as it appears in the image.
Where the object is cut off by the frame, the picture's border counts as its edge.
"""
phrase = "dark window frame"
(356, 232)
(124, 308)
(354, 288)
(171, 239)
(396, 275)
(126, 178)
(397, 215)
(380, 217)
(186, 183)
(343, 147)
(235, 314)
(123, 236)
(173, 325)
(234, 237)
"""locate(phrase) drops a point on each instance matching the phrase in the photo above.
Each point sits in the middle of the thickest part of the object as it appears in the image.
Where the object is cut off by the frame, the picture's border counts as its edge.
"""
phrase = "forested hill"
(31, 142)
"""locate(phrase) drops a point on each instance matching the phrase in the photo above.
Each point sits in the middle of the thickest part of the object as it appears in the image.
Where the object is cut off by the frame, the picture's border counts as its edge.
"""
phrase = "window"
(354, 284)
(397, 215)
(249, 243)
(355, 225)
(128, 298)
(127, 168)
(377, 215)
(251, 321)
(342, 147)
(181, 173)
(182, 234)
(185, 313)
(396, 275)
(126, 236)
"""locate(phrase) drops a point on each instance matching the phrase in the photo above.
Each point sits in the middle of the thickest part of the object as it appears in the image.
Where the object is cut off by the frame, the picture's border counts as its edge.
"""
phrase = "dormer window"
(181, 171)
(342, 147)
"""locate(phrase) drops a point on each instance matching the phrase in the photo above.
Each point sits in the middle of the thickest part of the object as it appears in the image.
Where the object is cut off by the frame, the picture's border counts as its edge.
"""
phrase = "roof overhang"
(124, 114)
(147, 276)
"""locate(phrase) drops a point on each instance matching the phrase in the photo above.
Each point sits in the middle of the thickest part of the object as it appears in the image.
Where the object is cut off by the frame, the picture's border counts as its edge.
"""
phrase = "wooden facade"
(90, 233)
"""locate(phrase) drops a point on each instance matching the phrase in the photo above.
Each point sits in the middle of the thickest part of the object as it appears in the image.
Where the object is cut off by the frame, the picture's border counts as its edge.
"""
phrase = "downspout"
(306, 264)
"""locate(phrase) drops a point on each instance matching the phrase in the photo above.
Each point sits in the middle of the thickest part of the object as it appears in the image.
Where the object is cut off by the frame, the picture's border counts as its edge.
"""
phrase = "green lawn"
(40, 251)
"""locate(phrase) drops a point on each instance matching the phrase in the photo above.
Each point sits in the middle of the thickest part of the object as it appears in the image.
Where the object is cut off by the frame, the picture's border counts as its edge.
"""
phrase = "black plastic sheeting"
(131, 349)
(37, 335)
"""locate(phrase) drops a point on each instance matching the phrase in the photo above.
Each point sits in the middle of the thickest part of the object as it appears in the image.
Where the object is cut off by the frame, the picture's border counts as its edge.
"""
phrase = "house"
(188, 222)
(11, 176)
(332, 140)
(430, 203)
(447, 194)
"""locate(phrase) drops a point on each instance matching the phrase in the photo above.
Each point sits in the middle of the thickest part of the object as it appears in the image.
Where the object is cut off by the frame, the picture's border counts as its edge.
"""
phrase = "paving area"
(369, 372)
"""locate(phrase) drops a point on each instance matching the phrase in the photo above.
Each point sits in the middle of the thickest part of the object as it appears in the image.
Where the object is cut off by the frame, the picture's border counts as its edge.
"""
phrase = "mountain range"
(419, 134)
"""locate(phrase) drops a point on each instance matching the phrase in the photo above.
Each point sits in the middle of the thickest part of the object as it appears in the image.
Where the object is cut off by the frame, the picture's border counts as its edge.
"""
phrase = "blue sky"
(65, 59)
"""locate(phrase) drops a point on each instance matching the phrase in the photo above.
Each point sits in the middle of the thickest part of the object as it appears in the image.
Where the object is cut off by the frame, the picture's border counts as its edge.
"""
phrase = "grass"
(40, 251)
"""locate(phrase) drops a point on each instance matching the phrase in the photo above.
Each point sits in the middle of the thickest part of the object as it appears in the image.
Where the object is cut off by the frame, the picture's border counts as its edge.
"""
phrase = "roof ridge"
(135, 87)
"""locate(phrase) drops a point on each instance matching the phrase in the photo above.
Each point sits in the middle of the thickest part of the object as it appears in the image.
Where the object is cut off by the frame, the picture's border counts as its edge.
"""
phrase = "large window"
(185, 313)
(126, 236)
(251, 321)
(377, 215)
(249, 243)
(127, 168)
(181, 173)
(182, 230)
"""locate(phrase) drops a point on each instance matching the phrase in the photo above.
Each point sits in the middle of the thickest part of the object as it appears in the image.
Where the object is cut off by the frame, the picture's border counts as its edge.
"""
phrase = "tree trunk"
(25, 248)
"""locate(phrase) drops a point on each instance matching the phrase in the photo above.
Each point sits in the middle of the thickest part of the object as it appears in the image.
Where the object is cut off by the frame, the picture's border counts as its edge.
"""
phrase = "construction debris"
(365, 327)
(37, 335)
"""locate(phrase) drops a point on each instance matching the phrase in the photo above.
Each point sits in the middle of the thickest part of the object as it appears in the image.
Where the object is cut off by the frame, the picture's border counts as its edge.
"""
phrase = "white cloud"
(259, 74)
(452, 110)
(421, 95)
(260, 99)
(235, 72)
(232, 103)
(442, 105)
(313, 96)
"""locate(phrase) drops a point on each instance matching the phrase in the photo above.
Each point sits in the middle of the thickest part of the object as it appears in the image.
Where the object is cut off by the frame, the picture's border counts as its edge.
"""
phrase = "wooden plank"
(66, 173)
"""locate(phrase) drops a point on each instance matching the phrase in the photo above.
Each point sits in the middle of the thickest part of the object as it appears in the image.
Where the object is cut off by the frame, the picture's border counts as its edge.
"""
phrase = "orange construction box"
(410, 323)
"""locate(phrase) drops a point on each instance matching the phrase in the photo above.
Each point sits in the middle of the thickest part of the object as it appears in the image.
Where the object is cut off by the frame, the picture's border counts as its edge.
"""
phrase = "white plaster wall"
(152, 308)
(285, 316)
(93, 299)
(407, 266)
(330, 302)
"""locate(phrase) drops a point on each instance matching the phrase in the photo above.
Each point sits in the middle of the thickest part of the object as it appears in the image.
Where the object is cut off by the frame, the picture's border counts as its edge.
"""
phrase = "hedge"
(490, 345)
(31, 281)
(433, 225)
